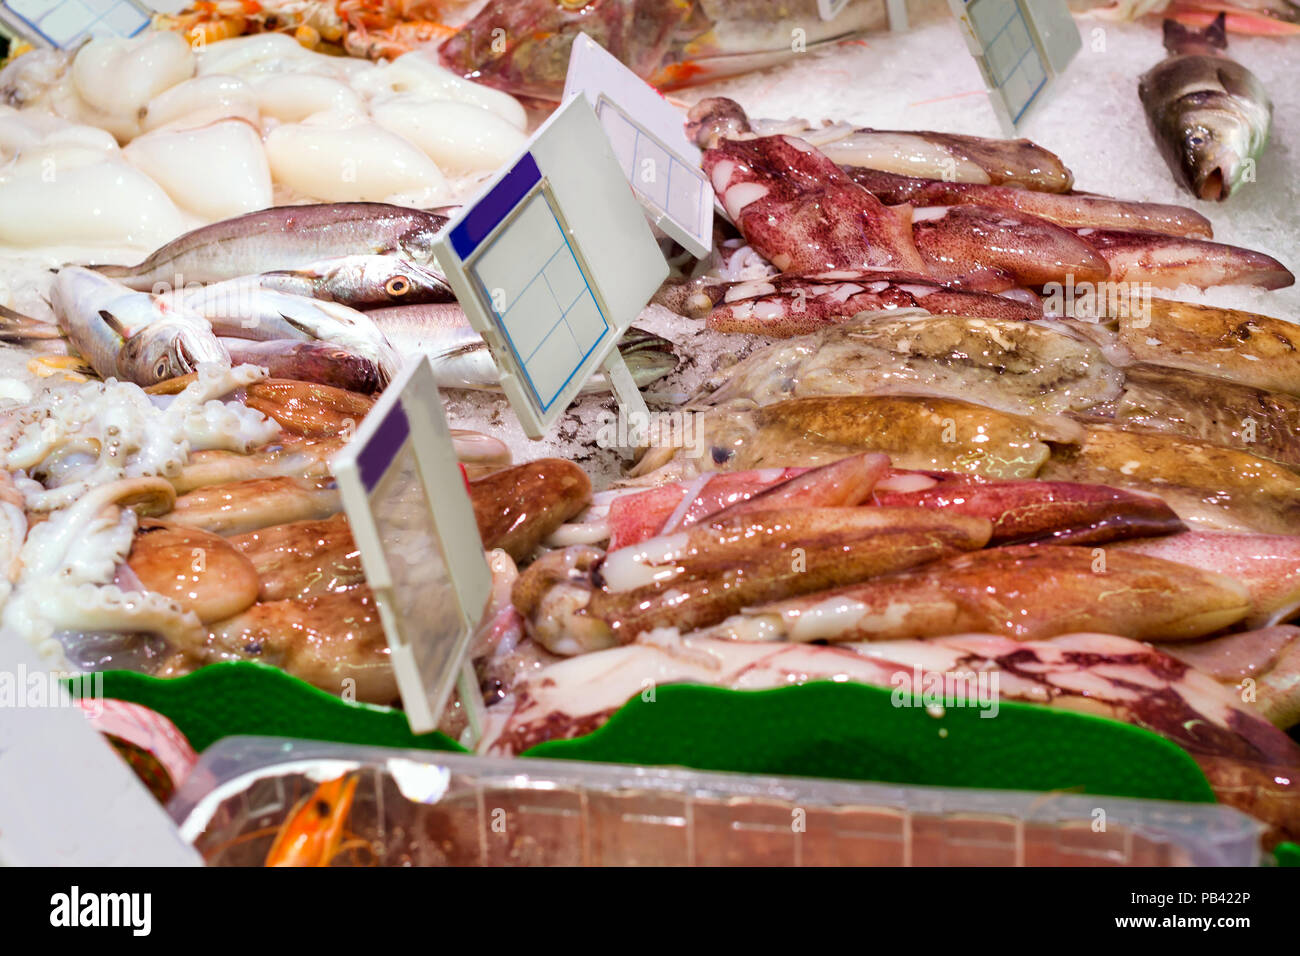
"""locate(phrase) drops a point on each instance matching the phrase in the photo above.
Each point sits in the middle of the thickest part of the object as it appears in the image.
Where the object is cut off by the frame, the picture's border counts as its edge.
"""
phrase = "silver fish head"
(168, 348)
(1218, 142)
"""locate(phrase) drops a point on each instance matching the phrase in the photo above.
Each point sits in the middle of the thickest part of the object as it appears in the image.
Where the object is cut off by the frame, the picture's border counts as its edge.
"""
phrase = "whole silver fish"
(243, 309)
(284, 237)
(364, 282)
(461, 359)
(130, 335)
(1210, 116)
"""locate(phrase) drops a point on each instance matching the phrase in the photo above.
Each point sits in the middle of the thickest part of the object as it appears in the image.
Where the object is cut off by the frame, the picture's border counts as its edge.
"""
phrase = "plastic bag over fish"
(522, 46)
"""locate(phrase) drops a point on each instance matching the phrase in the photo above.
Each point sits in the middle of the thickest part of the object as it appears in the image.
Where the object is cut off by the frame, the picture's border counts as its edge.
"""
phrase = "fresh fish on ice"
(131, 335)
(1210, 116)
(284, 237)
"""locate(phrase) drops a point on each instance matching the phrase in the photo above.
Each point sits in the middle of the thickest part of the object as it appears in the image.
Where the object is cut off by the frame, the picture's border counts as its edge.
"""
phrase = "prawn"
(313, 833)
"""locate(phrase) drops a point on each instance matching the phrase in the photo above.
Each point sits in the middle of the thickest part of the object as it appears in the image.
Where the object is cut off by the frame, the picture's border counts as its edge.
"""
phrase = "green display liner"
(826, 729)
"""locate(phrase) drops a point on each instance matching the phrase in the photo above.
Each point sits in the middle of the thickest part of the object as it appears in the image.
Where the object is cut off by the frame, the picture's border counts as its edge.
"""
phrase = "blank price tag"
(551, 263)
(650, 143)
(65, 23)
(414, 525)
(1020, 46)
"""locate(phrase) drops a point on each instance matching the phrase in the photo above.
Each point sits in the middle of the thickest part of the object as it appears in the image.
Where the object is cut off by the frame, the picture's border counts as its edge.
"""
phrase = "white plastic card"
(413, 522)
(65, 23)
(551, 263)
(649, 140)
(1020, 46)
(830, 9)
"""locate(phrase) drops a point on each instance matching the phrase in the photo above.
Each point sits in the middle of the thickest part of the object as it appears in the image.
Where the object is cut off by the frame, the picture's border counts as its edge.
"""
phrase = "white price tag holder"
(551, 263)
(1021, 46)
(411, 516)
(649, 140)
(65, 23)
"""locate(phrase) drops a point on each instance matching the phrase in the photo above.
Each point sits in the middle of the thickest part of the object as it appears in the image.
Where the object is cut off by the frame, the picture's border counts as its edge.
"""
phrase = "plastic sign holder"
(1021, 46)
(410, 513)
(65, 23)
(649, 140)
(551, 263)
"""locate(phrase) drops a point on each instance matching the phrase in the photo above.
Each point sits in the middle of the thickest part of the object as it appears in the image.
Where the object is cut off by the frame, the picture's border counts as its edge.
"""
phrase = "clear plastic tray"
(422, 808)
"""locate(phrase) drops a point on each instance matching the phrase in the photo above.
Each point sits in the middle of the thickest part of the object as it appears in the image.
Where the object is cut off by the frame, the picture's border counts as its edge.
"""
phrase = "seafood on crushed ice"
(130, 335)
(947, 156)
(1210, 116)
(522, 46)
(283, 237)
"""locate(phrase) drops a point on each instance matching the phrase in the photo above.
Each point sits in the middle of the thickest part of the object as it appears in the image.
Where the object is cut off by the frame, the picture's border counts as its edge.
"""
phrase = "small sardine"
(1210, 116)
(284, 237)
(461, 359)
(130, 335)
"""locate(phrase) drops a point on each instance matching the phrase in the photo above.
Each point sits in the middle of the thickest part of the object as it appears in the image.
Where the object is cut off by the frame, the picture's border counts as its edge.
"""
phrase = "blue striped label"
(383, 447)
(493, 208)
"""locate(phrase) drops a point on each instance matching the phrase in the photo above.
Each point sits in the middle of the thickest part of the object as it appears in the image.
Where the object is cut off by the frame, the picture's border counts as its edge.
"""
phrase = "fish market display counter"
(908, 457)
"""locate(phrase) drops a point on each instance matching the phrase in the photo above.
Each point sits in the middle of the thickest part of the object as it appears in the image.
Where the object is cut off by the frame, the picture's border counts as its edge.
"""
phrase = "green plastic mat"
(855, 732)
(245, 697)
(824, 729)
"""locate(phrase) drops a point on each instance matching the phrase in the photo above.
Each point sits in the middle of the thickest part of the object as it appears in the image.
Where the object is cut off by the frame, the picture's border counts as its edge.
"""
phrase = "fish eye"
(161, 368)
(397, 285)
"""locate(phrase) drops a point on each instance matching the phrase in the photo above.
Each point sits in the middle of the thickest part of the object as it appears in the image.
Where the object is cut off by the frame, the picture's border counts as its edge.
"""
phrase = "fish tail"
(19, 329)
(1184, 39)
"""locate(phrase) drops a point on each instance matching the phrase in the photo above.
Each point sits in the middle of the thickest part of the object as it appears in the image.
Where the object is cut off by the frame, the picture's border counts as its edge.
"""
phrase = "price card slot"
(551, 264)
(413, 522)
(65, 23)
(649, 142)
(1020, 48)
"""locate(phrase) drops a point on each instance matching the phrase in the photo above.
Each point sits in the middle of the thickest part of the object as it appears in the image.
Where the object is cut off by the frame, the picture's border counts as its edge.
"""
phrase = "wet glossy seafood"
(1170, 261)
(580, 600)
(1249, 763)
(1210, 116)
(1262, 667)
(785, 305)
(1267, 564)
(1024, 592)
(242, 506)
(1072, 209)
(283, 237)
(199, 571)
(522, 46)
(127, 335)
(948, 156)
(1024, 368)
(936, 434)
(1211, 487)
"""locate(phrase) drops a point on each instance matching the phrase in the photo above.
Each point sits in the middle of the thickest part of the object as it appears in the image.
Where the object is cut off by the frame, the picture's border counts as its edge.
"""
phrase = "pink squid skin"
(1071, 210)
(1267, 564)
(993, 250)
(802, 213)
(1170, 261)
(799, 304)
(1060, 512)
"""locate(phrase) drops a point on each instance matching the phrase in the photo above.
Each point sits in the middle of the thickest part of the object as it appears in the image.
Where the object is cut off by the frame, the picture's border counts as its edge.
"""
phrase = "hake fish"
(284, 237)
(461, 358)
(1210, 116)
(130, 335)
